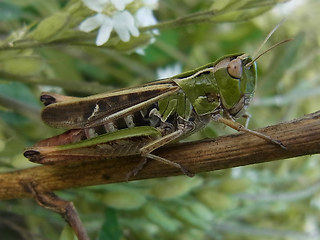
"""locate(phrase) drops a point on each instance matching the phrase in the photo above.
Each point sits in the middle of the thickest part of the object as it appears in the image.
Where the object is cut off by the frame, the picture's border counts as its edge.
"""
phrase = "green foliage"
(21, 65)
(110, 229)
(42, 49)
(50, 27)
(67, 234)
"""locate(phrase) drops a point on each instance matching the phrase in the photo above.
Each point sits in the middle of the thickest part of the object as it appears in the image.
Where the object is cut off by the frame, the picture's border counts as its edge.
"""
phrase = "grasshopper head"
(236, 79)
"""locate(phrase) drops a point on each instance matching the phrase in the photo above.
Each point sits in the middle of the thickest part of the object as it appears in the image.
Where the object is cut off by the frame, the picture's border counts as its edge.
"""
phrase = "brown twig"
(66, 209)
(301, 137)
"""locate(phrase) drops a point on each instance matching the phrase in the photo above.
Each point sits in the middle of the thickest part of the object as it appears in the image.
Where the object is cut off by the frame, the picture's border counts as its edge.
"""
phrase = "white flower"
(169, 71)
(100, 5)
(144, 15)
(110, 15)
(124, 24)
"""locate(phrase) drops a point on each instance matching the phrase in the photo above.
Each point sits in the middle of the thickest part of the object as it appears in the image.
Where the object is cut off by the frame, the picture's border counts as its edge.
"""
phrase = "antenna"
(264, 52)
(268, 36)
(256, 55)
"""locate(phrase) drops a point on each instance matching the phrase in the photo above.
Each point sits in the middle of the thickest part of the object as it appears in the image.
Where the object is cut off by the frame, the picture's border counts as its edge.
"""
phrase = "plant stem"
(300, 136)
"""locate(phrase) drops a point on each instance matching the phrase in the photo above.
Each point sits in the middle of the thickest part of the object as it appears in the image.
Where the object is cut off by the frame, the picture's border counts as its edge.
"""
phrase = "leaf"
(67, 234)
(22, 65)
(19, 91)
(160, 217)
(50, 27)
(9, 12)
(110, 229)
(59, 61)
(229, 5)
(175, 187)
(17, 100)
(134, 43)
(124, 199)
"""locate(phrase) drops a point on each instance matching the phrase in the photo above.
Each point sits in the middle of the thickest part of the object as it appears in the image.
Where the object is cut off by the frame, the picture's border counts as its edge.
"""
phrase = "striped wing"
(71, 113)
(124, 142)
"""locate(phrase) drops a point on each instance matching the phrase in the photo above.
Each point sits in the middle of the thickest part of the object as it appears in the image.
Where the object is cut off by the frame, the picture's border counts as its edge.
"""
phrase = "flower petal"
(95, 5)
(121, 4)
(168, 71)
(153, 4)
(104, 32)
(140, 51)
(92, 23)
(144, 17)
(123, 24)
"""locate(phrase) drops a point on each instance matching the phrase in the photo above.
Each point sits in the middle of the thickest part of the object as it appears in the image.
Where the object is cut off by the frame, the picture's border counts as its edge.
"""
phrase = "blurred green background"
(276, 200)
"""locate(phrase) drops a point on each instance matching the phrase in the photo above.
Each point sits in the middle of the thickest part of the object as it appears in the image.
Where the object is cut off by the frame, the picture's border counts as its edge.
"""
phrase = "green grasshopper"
(138, 120)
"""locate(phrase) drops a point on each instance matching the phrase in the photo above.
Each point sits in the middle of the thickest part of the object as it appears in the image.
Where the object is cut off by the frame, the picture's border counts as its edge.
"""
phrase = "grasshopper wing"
(70, 113)
(124, 142)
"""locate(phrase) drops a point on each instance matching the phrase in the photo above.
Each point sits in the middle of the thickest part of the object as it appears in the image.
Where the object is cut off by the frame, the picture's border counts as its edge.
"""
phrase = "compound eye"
(234, 68)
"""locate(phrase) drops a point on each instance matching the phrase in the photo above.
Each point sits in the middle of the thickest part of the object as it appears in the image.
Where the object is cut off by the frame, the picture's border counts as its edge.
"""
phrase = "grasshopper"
(138, 120)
